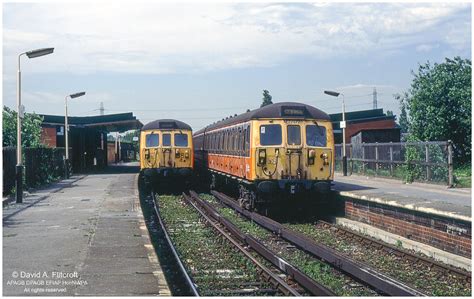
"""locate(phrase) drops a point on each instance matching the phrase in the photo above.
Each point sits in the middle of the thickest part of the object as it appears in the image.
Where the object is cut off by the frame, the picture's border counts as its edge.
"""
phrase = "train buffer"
(86, 237)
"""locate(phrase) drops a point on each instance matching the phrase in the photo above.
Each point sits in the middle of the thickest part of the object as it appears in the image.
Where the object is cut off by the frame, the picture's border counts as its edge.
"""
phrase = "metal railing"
(430, 161)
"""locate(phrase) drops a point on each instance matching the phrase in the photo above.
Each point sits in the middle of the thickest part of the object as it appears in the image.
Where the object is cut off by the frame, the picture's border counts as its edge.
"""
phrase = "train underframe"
(255, 195)
(167, 179)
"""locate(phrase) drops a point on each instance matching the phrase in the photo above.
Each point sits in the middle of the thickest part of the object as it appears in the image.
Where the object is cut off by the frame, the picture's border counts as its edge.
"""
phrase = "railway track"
(276, 277)
(373, 243)
(359, 271)
(189, 283)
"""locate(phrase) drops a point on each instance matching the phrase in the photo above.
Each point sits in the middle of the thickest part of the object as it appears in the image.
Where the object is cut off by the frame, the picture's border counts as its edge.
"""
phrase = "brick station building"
(87, 136)
(364, 120)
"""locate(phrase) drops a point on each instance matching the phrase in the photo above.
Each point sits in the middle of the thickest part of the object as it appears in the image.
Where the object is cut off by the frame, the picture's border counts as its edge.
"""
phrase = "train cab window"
(166, 139)
(270, 135)
(316, 135)
(294, 135)
(181, 139)
(152, 140)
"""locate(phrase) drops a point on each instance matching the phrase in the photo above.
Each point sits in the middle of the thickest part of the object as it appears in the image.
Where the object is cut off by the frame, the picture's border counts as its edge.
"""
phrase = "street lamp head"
(39, 52)
(332, 93)
(76, 95)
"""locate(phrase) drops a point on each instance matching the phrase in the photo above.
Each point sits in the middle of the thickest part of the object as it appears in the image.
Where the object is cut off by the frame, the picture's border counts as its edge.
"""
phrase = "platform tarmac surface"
(86, 237)
(428, 198)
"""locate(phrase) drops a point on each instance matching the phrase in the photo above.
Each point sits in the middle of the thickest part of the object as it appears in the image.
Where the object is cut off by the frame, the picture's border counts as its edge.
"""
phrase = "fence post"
(427, 160)
(391, 159)
(350, 157)
(450, 165)
(363, 158)
(376, 159)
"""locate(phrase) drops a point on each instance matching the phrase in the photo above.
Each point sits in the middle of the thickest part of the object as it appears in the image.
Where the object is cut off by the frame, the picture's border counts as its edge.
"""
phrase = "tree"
(128, 136)
(439, 105)
(403, 117)
(30, 129)
(267, 98)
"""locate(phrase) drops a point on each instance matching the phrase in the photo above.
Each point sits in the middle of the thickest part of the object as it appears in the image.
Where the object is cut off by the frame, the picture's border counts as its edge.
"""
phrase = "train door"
(294, 153)
(182, 150)
(166, 149)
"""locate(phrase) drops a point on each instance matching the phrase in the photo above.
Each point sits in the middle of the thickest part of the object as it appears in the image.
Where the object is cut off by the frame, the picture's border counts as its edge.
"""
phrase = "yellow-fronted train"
(166, 154)
(282, 150)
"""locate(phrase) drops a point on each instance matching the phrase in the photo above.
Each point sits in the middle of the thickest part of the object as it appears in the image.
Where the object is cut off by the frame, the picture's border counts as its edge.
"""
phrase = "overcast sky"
(202, 62)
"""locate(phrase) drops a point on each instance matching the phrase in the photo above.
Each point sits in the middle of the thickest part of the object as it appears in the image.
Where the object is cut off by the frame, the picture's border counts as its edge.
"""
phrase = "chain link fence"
(410, 161)
(42, 165)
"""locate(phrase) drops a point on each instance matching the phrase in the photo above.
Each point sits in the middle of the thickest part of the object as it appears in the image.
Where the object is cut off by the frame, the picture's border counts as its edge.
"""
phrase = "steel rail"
(188, 279)
(264, 271)
(399, 251)
(309, 284)
(359, 271)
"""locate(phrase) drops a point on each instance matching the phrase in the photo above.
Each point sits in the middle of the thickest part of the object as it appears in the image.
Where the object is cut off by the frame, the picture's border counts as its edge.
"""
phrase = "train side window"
(211, 142)
(166, 139)
(244, 140)
(225, 141)
(152, 140)
(182, 139)
(270, 134)
(221, 142)
(213, 147)
(239, 141)
(316, 135)
(233, 141)
(215, 142)
(247, 141)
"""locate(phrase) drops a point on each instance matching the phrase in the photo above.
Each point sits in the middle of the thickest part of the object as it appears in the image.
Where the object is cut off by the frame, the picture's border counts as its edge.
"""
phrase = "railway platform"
(426, 213)
(83, 236)
(428, 198)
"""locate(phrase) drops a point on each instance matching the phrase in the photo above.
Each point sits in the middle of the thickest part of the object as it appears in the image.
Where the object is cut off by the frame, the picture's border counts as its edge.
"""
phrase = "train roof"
(164, 124)
(277, 110)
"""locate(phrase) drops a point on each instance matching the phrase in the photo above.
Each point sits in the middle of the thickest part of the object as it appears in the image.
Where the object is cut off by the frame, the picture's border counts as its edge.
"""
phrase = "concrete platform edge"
(408, 207)
(150, 249)
(435, 253)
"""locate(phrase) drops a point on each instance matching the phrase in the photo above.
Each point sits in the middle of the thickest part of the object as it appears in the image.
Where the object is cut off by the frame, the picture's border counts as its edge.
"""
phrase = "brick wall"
(447, 234)
(354, 128)
(48, 136)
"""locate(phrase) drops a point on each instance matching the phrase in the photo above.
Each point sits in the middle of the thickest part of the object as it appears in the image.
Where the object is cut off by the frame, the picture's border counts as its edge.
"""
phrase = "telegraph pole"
(101, 109)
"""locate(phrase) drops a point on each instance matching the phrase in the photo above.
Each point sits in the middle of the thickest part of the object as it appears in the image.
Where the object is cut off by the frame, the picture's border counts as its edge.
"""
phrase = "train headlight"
(311, 156)
(186, 154)
(325, 158)
(262, 157)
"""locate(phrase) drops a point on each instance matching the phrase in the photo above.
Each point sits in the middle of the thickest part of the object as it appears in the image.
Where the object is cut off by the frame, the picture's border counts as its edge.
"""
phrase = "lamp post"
(343, 126)
(66, 130)
(19, 162)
